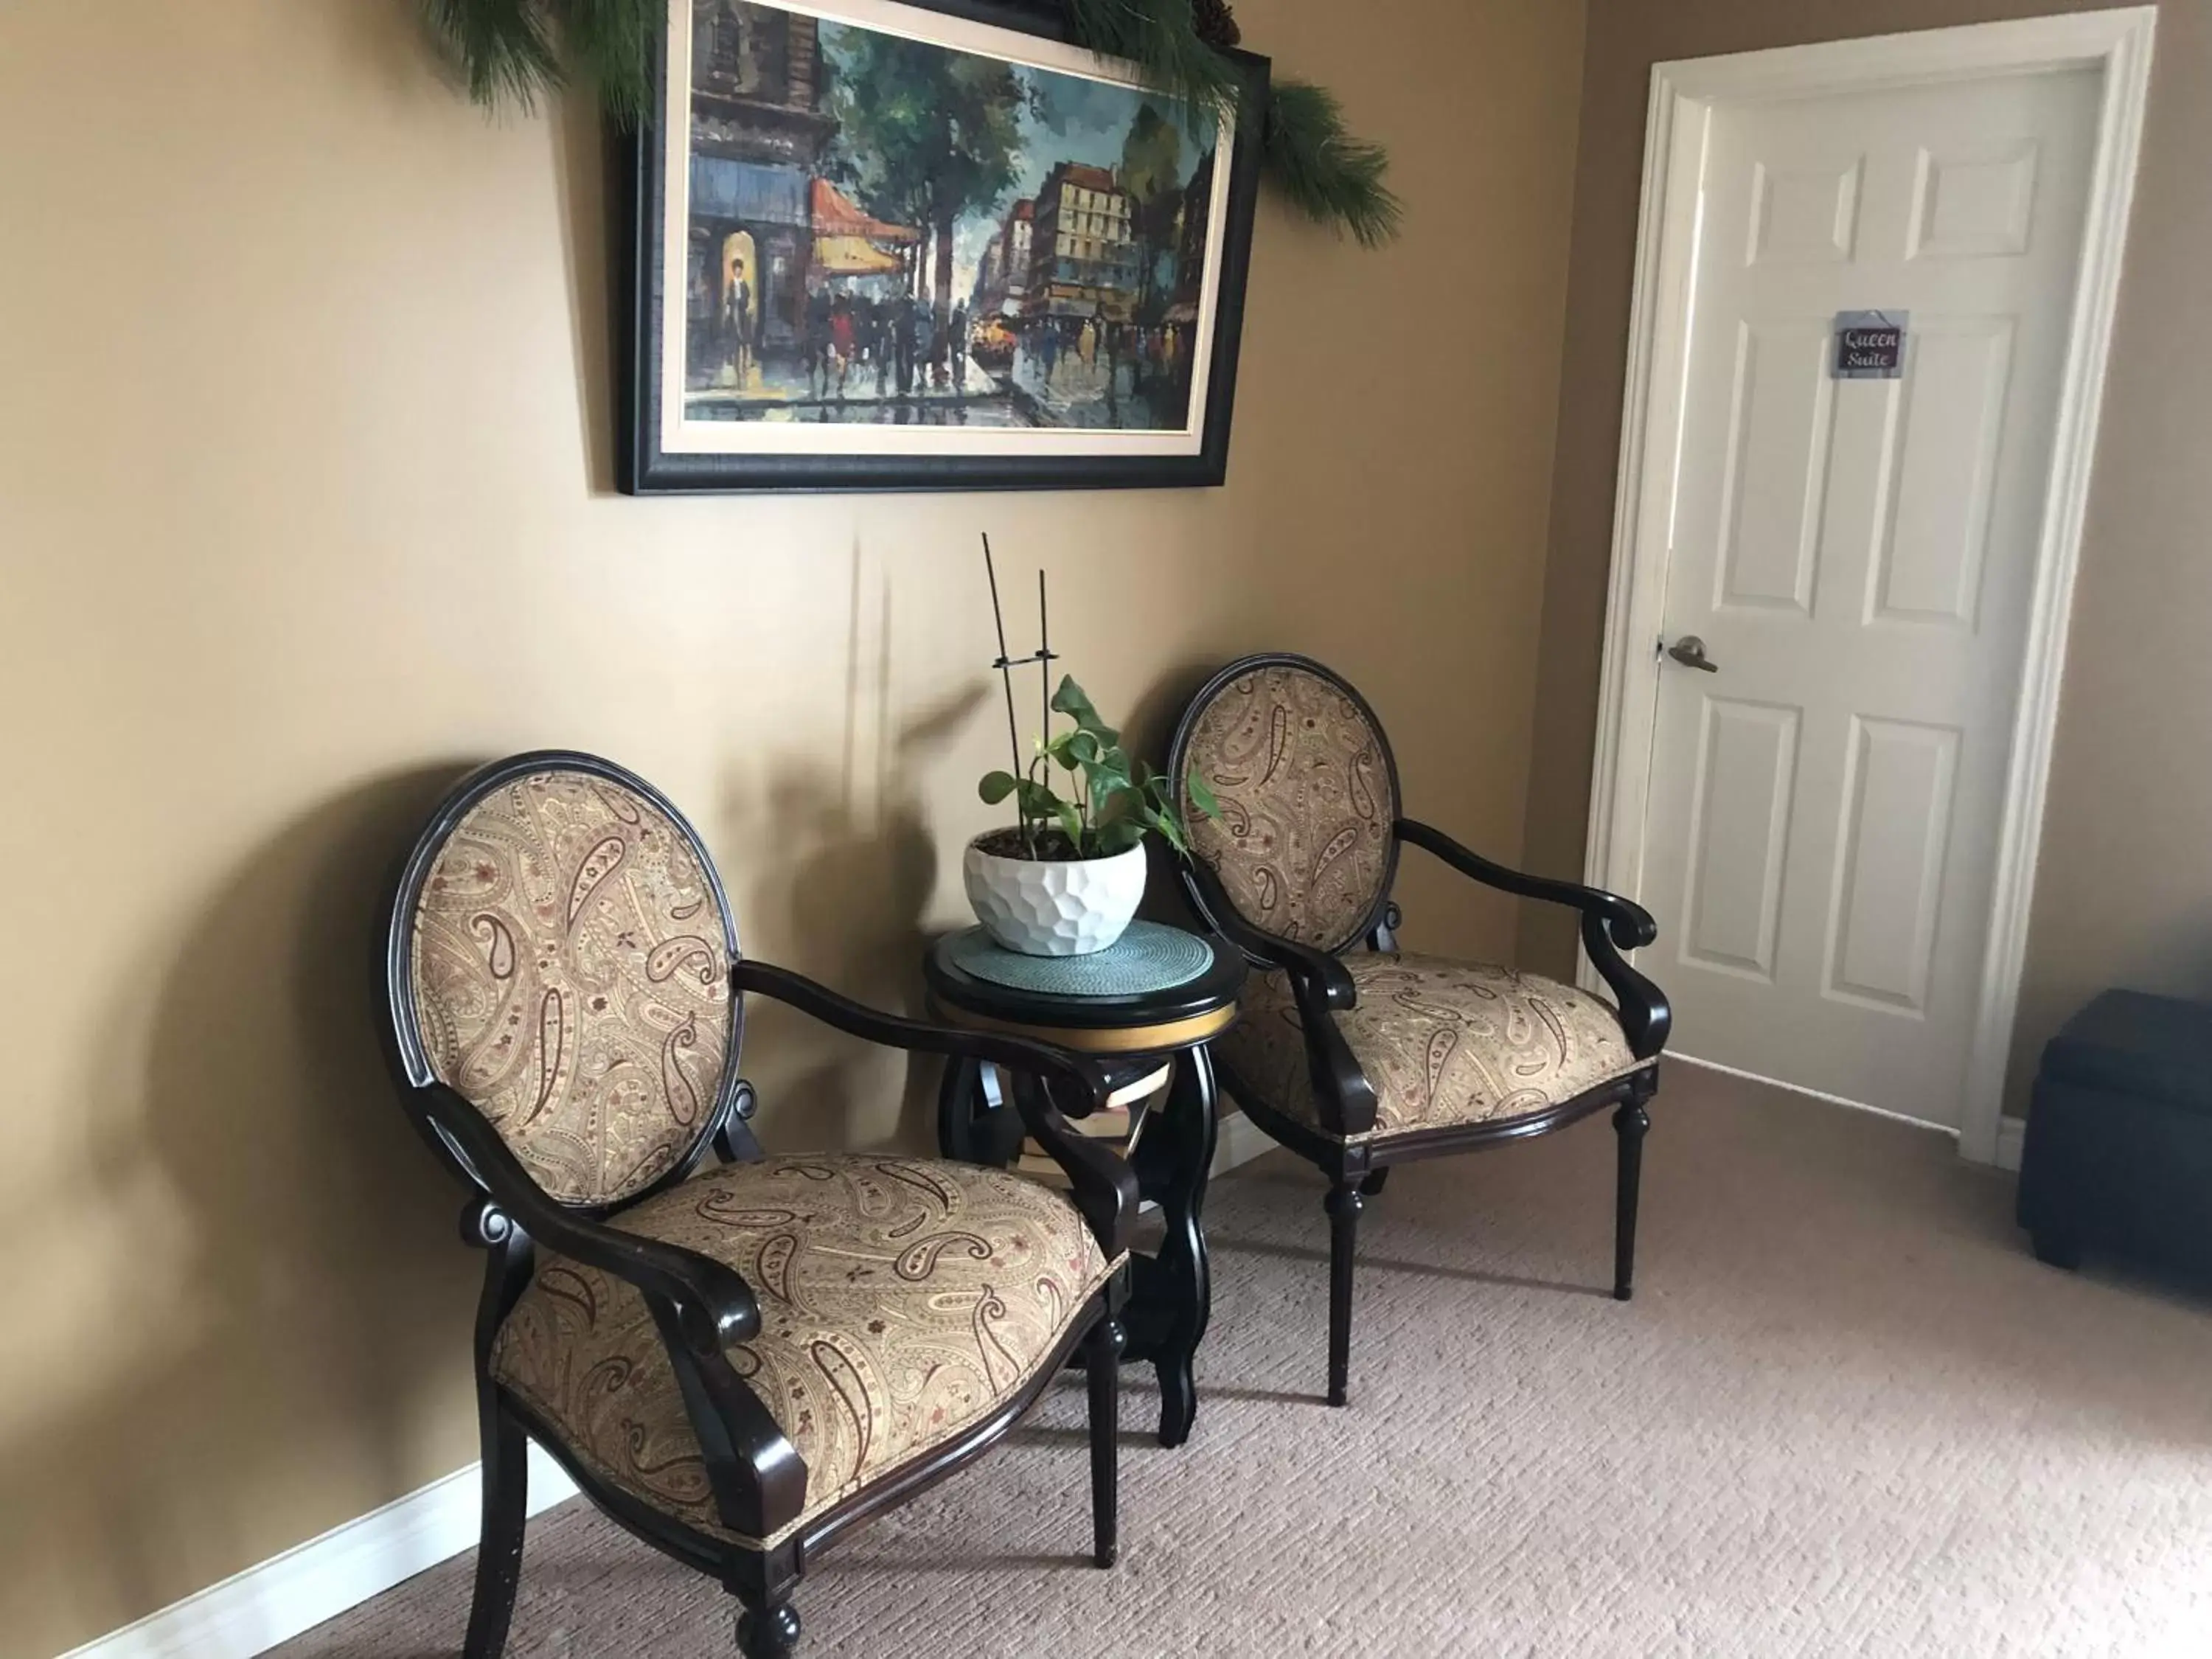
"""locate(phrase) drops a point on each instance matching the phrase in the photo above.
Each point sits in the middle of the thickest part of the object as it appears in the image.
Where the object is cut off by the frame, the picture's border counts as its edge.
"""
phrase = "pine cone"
(1216, 23)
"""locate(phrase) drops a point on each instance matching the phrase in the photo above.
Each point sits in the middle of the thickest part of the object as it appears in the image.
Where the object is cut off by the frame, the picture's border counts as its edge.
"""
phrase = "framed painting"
(890, 245)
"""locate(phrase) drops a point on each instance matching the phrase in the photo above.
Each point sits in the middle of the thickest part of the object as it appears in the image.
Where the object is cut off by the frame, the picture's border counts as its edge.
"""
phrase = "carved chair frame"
(701, 1305)
(1322, 987)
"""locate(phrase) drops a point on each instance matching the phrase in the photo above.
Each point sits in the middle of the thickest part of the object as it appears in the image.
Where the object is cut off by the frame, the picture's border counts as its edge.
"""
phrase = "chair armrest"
(1320, 984)
(1329, 979)
(713, 1305)
(1645, 1017)
(1630, 924)
(1611, 924)
(1105, 1191)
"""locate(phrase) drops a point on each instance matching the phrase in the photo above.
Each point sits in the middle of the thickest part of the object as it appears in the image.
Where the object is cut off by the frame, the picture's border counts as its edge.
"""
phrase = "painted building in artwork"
(1002, 282)
(1191, 224)
(1084, 258)
(757, 136)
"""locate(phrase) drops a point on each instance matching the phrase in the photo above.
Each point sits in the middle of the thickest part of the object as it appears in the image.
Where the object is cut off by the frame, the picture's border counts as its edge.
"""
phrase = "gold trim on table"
(1101, 1040)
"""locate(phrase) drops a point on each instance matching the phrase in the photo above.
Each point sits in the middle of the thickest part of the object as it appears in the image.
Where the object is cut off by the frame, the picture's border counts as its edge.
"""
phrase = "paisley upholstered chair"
(737, 1361)
(1352, 1052)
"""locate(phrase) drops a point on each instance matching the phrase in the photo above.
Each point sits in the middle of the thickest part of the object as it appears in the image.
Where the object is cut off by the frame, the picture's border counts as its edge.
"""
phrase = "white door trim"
(1683, 96)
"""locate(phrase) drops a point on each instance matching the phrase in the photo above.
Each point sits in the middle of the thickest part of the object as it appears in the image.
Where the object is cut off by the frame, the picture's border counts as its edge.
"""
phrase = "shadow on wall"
(1150, 732)
(842, 868)
(302, 1304)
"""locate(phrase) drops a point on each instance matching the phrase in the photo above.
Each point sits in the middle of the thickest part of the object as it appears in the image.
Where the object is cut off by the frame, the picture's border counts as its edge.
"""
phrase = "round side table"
(1135, 1033)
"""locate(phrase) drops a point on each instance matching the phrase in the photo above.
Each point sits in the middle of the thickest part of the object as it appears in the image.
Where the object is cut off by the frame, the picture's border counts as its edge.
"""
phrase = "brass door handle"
(1690, 651)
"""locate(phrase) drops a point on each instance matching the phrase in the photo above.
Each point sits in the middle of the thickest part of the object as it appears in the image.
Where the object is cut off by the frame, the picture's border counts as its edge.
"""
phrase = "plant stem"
(1007, 674)
(1044, 663)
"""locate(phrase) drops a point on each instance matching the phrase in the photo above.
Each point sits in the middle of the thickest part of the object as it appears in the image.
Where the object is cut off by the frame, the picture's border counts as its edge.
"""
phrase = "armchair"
(1361, 1058)
(725, 1355)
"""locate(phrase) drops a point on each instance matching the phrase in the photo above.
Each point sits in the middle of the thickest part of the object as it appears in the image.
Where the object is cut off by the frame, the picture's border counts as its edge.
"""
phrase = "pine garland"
(1317, 166)
(515, 49)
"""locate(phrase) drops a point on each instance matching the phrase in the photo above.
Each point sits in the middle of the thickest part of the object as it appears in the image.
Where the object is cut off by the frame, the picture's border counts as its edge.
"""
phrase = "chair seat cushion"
(1445, 1044)
(901, 1302)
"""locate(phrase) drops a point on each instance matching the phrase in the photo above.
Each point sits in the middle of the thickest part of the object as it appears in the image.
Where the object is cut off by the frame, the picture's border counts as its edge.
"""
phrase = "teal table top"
(1149, 958)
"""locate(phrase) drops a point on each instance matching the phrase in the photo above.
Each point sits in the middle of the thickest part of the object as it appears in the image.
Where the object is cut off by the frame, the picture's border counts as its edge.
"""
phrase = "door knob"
(1690, 651)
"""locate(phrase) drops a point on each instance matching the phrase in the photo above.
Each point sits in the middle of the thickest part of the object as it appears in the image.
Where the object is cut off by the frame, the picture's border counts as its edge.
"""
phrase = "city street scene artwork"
(886, 233)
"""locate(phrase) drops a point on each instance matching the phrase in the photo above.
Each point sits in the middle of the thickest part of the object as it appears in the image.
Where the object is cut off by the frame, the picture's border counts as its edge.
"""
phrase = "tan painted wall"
(304, 504)
(2124, 894)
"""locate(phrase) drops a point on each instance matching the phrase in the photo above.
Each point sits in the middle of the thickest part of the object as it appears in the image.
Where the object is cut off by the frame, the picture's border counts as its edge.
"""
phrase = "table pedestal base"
(1171, 1295)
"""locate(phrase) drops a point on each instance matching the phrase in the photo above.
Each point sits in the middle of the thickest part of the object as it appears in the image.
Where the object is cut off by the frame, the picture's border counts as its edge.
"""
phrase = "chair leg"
(1344, 1203)
(499, 1549)
(768, 1632)
(1629, 1123)
(1105, 1368)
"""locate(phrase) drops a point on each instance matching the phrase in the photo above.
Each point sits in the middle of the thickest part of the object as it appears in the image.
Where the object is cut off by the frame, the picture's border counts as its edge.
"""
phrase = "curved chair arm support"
(732, 1136)
(755, 1473)
(712, 1305)
(1344, 1097)
(1308, 968)
(1319, 985)
(1645, 1016)
(1105, 1192)
(1610, 925)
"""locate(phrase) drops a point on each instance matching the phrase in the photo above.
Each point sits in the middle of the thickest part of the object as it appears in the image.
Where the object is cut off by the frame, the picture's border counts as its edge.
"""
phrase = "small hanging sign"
(1870, 344)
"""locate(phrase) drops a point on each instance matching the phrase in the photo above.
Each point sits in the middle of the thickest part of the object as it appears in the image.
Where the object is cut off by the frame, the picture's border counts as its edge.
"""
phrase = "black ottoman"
(2119, 1139)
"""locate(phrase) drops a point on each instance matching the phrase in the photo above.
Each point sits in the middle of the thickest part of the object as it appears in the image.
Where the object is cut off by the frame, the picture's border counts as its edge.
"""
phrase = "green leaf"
(1061, 749)
(995, 787)
(1119, 836)
(1164, 825)
(1202, 796)
(1105, 783)
(1037, 800)
(1073, 702)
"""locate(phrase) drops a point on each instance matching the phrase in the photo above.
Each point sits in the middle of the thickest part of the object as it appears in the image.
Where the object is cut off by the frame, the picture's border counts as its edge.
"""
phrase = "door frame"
(1684, 94)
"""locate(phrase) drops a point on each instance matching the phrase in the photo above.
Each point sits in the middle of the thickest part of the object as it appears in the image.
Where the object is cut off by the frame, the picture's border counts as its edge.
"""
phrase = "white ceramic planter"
(1069, 907)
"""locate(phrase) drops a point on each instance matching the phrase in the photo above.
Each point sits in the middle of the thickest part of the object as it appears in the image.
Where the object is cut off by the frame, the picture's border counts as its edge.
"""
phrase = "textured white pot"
(1065, 908)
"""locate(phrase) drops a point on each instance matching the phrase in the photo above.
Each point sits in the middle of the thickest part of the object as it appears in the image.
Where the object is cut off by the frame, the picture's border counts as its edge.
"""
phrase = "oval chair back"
(1304, 849)
(559, 955)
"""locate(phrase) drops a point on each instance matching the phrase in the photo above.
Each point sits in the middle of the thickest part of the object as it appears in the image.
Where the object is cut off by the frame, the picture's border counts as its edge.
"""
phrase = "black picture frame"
(644, 467)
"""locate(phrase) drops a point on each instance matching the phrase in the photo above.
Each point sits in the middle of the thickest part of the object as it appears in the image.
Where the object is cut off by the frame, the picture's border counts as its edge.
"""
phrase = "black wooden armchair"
(1361, 1059)
(739, 1362)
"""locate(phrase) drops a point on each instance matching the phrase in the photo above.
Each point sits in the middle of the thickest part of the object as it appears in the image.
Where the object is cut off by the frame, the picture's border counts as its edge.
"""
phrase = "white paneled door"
(1852, 571)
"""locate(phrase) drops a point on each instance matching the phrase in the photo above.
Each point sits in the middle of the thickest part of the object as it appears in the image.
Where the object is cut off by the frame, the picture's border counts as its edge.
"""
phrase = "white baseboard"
(2011, 1131)
(1240, 1141)
(252, 1610)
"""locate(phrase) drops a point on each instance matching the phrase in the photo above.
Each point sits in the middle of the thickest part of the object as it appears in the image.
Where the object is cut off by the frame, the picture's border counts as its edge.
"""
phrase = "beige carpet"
(1846, 1415)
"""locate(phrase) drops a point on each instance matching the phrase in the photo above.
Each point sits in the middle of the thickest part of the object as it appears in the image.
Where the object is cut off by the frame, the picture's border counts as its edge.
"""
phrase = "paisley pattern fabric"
(1302, 848)
(1443, 1043)
(571, 979)
(900, 1302)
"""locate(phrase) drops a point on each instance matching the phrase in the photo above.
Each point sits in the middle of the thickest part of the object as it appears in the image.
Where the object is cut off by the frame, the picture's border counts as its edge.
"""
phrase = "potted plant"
(1067, 876)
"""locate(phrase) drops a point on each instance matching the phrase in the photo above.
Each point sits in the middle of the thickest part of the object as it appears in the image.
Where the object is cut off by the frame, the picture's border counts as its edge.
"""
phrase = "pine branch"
(616, 39)
(519, 50)
(1161, 38)
(1314, 161)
